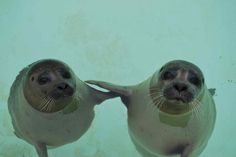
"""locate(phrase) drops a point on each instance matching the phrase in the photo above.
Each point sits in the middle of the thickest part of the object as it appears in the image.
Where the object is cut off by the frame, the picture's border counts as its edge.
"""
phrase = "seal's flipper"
(114, 90)
(100, 96)
(212, 91)
(121, 90)
(41, 149)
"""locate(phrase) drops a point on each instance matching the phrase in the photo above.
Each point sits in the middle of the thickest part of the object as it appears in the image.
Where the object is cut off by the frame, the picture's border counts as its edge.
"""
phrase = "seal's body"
(50, 106)
(172, 113)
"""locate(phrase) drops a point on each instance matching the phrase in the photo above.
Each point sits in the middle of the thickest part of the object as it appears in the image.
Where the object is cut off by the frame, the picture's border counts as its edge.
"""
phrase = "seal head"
(178, 83)
(49, 85)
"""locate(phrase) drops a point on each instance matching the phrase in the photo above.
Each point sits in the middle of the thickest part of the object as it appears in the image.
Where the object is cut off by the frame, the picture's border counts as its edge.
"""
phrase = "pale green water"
(123, 42)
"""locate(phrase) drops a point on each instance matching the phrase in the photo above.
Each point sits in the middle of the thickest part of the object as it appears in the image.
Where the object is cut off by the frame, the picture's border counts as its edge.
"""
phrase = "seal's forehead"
(181, 64)
(48, 64)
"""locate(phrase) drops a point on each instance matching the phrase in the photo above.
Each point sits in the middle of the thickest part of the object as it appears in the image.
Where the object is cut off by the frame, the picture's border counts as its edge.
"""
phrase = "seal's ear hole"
(32, 78)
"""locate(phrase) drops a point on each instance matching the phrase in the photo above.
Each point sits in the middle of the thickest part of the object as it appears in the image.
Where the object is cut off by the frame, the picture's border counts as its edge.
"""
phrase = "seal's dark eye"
(194, 80)
(43, 80)
(168, 75)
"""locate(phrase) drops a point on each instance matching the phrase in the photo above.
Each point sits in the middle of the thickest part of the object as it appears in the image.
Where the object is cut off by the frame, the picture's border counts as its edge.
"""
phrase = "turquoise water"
(123, 42)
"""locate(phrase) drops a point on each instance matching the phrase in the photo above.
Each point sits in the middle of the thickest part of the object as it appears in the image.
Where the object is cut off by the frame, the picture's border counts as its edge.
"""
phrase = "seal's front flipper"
(41, 149)
(120, 90)
(212, 91)
(100, 96)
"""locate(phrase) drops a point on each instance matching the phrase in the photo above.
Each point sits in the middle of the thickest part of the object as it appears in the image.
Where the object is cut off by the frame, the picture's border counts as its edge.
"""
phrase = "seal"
(50, 106)
(172, 113)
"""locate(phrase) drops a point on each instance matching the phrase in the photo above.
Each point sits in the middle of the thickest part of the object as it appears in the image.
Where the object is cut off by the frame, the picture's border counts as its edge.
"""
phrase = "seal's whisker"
(196, 110)
(199, 102)
(151, 103)
(47, 108)
(52, 104)
(159, 103)
(154, 100)
(155, 94)
(162, 102)
(192, 108)
(42, 102)
(199, 106)
(158, 97)
(155, 91)
(46, 105)
(49, 105)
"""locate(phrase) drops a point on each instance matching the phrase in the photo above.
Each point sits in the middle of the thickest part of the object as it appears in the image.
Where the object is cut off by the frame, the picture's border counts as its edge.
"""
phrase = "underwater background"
(124, 42)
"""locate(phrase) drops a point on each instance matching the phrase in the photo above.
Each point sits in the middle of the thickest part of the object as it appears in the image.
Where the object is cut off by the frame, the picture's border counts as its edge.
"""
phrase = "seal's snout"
(65, 88)
(180, 87)
(62, 86)
(62, 90)
(178, 91)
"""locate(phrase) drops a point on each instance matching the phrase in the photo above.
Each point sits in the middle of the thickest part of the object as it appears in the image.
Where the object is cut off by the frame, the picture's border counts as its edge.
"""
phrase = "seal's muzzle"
(178, 91)
(62, 90)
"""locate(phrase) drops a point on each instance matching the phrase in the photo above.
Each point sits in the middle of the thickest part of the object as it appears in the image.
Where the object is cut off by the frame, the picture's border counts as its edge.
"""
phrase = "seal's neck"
(175, 120)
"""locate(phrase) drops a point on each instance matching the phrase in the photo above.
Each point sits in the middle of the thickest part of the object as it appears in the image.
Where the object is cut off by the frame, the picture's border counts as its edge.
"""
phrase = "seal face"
(170, 114)
(178, 84)
(49, 86)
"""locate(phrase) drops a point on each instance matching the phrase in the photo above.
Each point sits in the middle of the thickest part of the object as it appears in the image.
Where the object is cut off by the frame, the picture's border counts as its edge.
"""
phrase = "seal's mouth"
(180, 99)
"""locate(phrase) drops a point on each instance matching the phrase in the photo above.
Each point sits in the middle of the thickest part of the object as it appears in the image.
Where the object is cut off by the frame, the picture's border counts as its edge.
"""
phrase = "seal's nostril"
(180, 87)
(62, 86)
